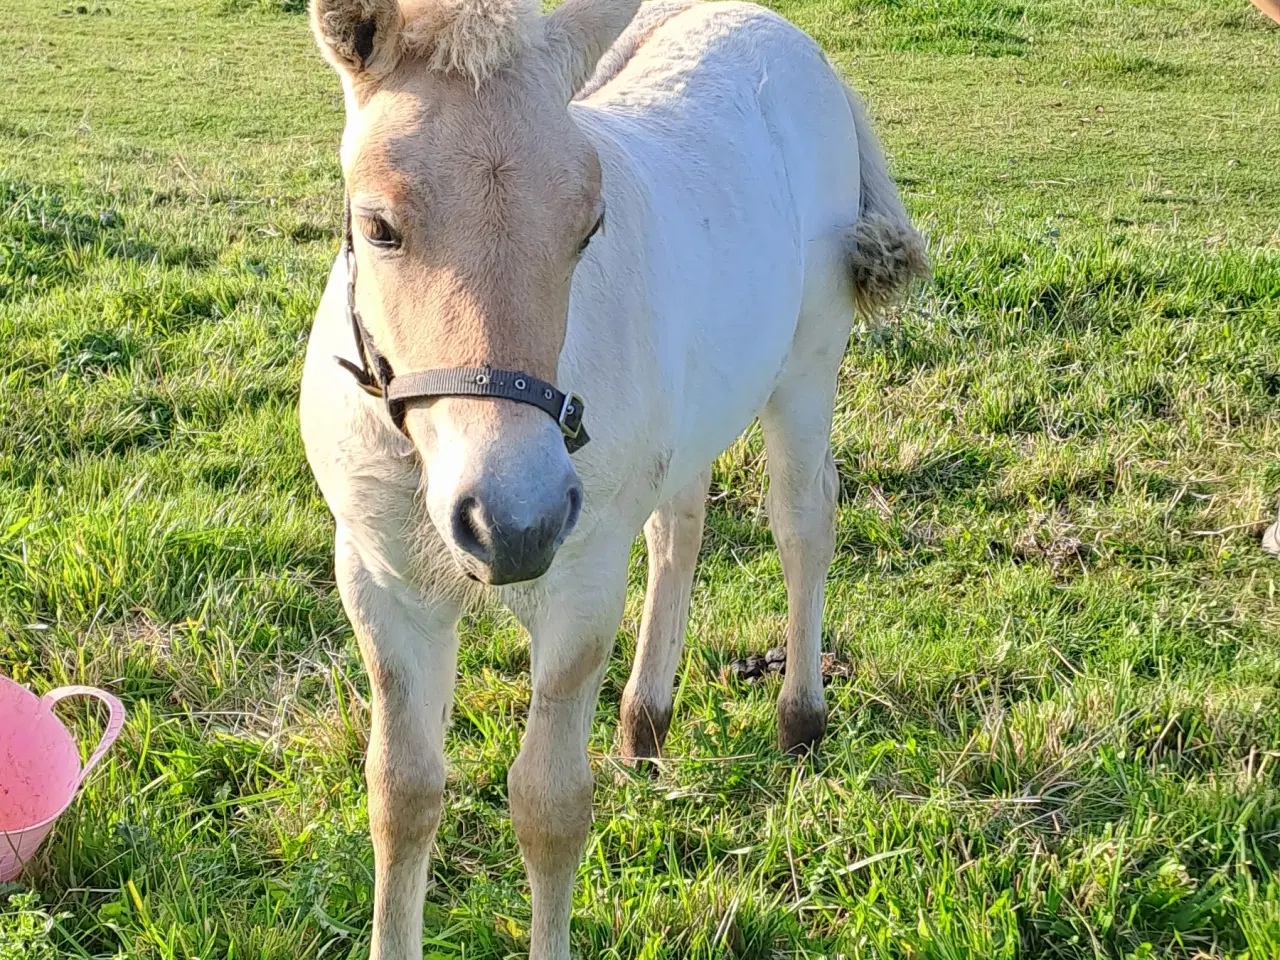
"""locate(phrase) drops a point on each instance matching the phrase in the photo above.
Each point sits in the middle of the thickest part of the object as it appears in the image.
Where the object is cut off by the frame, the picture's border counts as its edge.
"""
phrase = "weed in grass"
(25, 929)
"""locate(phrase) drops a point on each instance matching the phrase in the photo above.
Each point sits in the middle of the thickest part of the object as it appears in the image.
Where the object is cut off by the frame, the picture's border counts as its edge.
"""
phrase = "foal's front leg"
(410, 649)
(572, 628)
(673, 534)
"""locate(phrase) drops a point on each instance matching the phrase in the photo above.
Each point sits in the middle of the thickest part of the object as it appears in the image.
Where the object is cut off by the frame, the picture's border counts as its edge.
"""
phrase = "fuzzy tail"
(885, 252)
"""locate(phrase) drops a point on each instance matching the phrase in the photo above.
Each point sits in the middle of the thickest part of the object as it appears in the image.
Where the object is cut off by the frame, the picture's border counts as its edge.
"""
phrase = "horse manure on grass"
(754, 668)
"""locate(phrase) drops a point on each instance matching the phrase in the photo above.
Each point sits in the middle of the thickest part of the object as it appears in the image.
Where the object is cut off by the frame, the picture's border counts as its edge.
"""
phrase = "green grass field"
(1061, 737)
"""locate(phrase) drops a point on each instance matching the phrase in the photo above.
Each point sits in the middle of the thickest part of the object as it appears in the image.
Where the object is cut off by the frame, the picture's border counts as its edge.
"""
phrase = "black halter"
(376, 378)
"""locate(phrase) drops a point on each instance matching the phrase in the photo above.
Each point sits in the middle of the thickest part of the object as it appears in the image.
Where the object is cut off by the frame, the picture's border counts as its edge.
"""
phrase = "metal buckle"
(361, 377)
(570, 418)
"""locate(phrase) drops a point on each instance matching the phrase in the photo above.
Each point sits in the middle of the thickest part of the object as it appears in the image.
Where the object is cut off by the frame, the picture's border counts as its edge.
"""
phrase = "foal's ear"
(361, 38)
(580, 31)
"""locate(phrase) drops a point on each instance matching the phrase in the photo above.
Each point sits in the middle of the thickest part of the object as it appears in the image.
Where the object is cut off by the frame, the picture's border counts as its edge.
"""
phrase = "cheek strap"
(374, 374)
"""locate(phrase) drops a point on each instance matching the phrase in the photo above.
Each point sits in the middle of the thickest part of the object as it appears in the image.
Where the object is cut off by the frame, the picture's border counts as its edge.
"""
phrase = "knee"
(550, 806)
(405, 795)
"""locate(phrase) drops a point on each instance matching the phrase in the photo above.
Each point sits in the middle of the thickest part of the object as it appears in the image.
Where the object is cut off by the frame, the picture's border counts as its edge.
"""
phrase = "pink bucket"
(40, 766)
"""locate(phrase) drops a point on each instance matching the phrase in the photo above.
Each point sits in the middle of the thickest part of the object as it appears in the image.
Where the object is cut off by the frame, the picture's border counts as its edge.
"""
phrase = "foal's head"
(473, 195)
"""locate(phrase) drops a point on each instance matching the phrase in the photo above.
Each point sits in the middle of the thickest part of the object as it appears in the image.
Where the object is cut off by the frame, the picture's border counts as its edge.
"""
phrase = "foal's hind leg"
(802, 498)
(803, 487)
(673, 534)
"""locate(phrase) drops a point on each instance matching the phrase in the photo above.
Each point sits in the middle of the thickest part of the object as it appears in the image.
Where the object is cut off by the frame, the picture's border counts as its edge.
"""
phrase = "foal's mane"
(472, 38)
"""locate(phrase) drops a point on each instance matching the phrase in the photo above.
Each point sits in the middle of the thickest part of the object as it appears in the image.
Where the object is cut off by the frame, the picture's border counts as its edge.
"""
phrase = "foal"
(675, 223)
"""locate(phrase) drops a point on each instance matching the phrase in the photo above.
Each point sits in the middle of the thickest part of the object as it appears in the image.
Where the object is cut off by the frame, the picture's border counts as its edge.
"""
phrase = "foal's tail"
(885, 251)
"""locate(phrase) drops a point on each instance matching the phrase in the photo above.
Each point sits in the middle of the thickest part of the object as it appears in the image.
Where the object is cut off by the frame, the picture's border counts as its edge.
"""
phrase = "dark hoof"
(800, 728)
(644, 731)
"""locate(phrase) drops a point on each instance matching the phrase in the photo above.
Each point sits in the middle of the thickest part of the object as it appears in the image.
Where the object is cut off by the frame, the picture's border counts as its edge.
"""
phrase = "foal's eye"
(379, 233)
(582, 247)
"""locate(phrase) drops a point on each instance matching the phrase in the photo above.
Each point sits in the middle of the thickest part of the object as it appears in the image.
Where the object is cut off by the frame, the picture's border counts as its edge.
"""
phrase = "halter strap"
(375, 377)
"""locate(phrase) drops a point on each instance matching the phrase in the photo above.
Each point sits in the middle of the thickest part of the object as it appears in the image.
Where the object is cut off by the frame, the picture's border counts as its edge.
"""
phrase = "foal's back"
(731, 172)
(727, 82)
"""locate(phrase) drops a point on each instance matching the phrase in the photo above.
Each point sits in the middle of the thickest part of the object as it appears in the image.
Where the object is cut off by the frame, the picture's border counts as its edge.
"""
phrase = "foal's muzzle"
(501, 489)
(507, 539)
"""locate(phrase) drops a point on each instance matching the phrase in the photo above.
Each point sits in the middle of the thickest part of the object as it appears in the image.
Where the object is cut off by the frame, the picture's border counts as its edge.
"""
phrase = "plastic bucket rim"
(115, 723)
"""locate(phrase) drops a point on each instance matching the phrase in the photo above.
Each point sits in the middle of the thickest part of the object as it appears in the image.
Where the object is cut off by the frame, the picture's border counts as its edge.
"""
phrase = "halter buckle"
(570, 418)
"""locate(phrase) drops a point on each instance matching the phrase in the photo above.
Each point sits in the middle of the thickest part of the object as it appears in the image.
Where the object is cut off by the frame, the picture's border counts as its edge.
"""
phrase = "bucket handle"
(115, 720)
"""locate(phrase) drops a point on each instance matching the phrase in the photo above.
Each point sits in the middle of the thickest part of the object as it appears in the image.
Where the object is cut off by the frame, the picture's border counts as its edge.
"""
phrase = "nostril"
(575, 508)
(467, 531)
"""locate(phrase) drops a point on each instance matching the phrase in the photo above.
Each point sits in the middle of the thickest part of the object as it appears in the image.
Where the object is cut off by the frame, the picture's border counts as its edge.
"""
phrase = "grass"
(1061, 738)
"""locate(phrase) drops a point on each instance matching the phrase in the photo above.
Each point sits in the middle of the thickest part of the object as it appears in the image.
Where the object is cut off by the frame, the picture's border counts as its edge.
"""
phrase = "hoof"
(800, 727)
(644, 730)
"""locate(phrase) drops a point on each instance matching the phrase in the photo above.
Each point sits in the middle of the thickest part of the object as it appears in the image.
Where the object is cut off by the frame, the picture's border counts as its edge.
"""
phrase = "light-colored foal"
(683, 244)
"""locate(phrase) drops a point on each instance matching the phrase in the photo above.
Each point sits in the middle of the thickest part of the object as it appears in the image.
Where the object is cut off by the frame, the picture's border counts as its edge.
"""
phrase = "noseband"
(376, 378)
